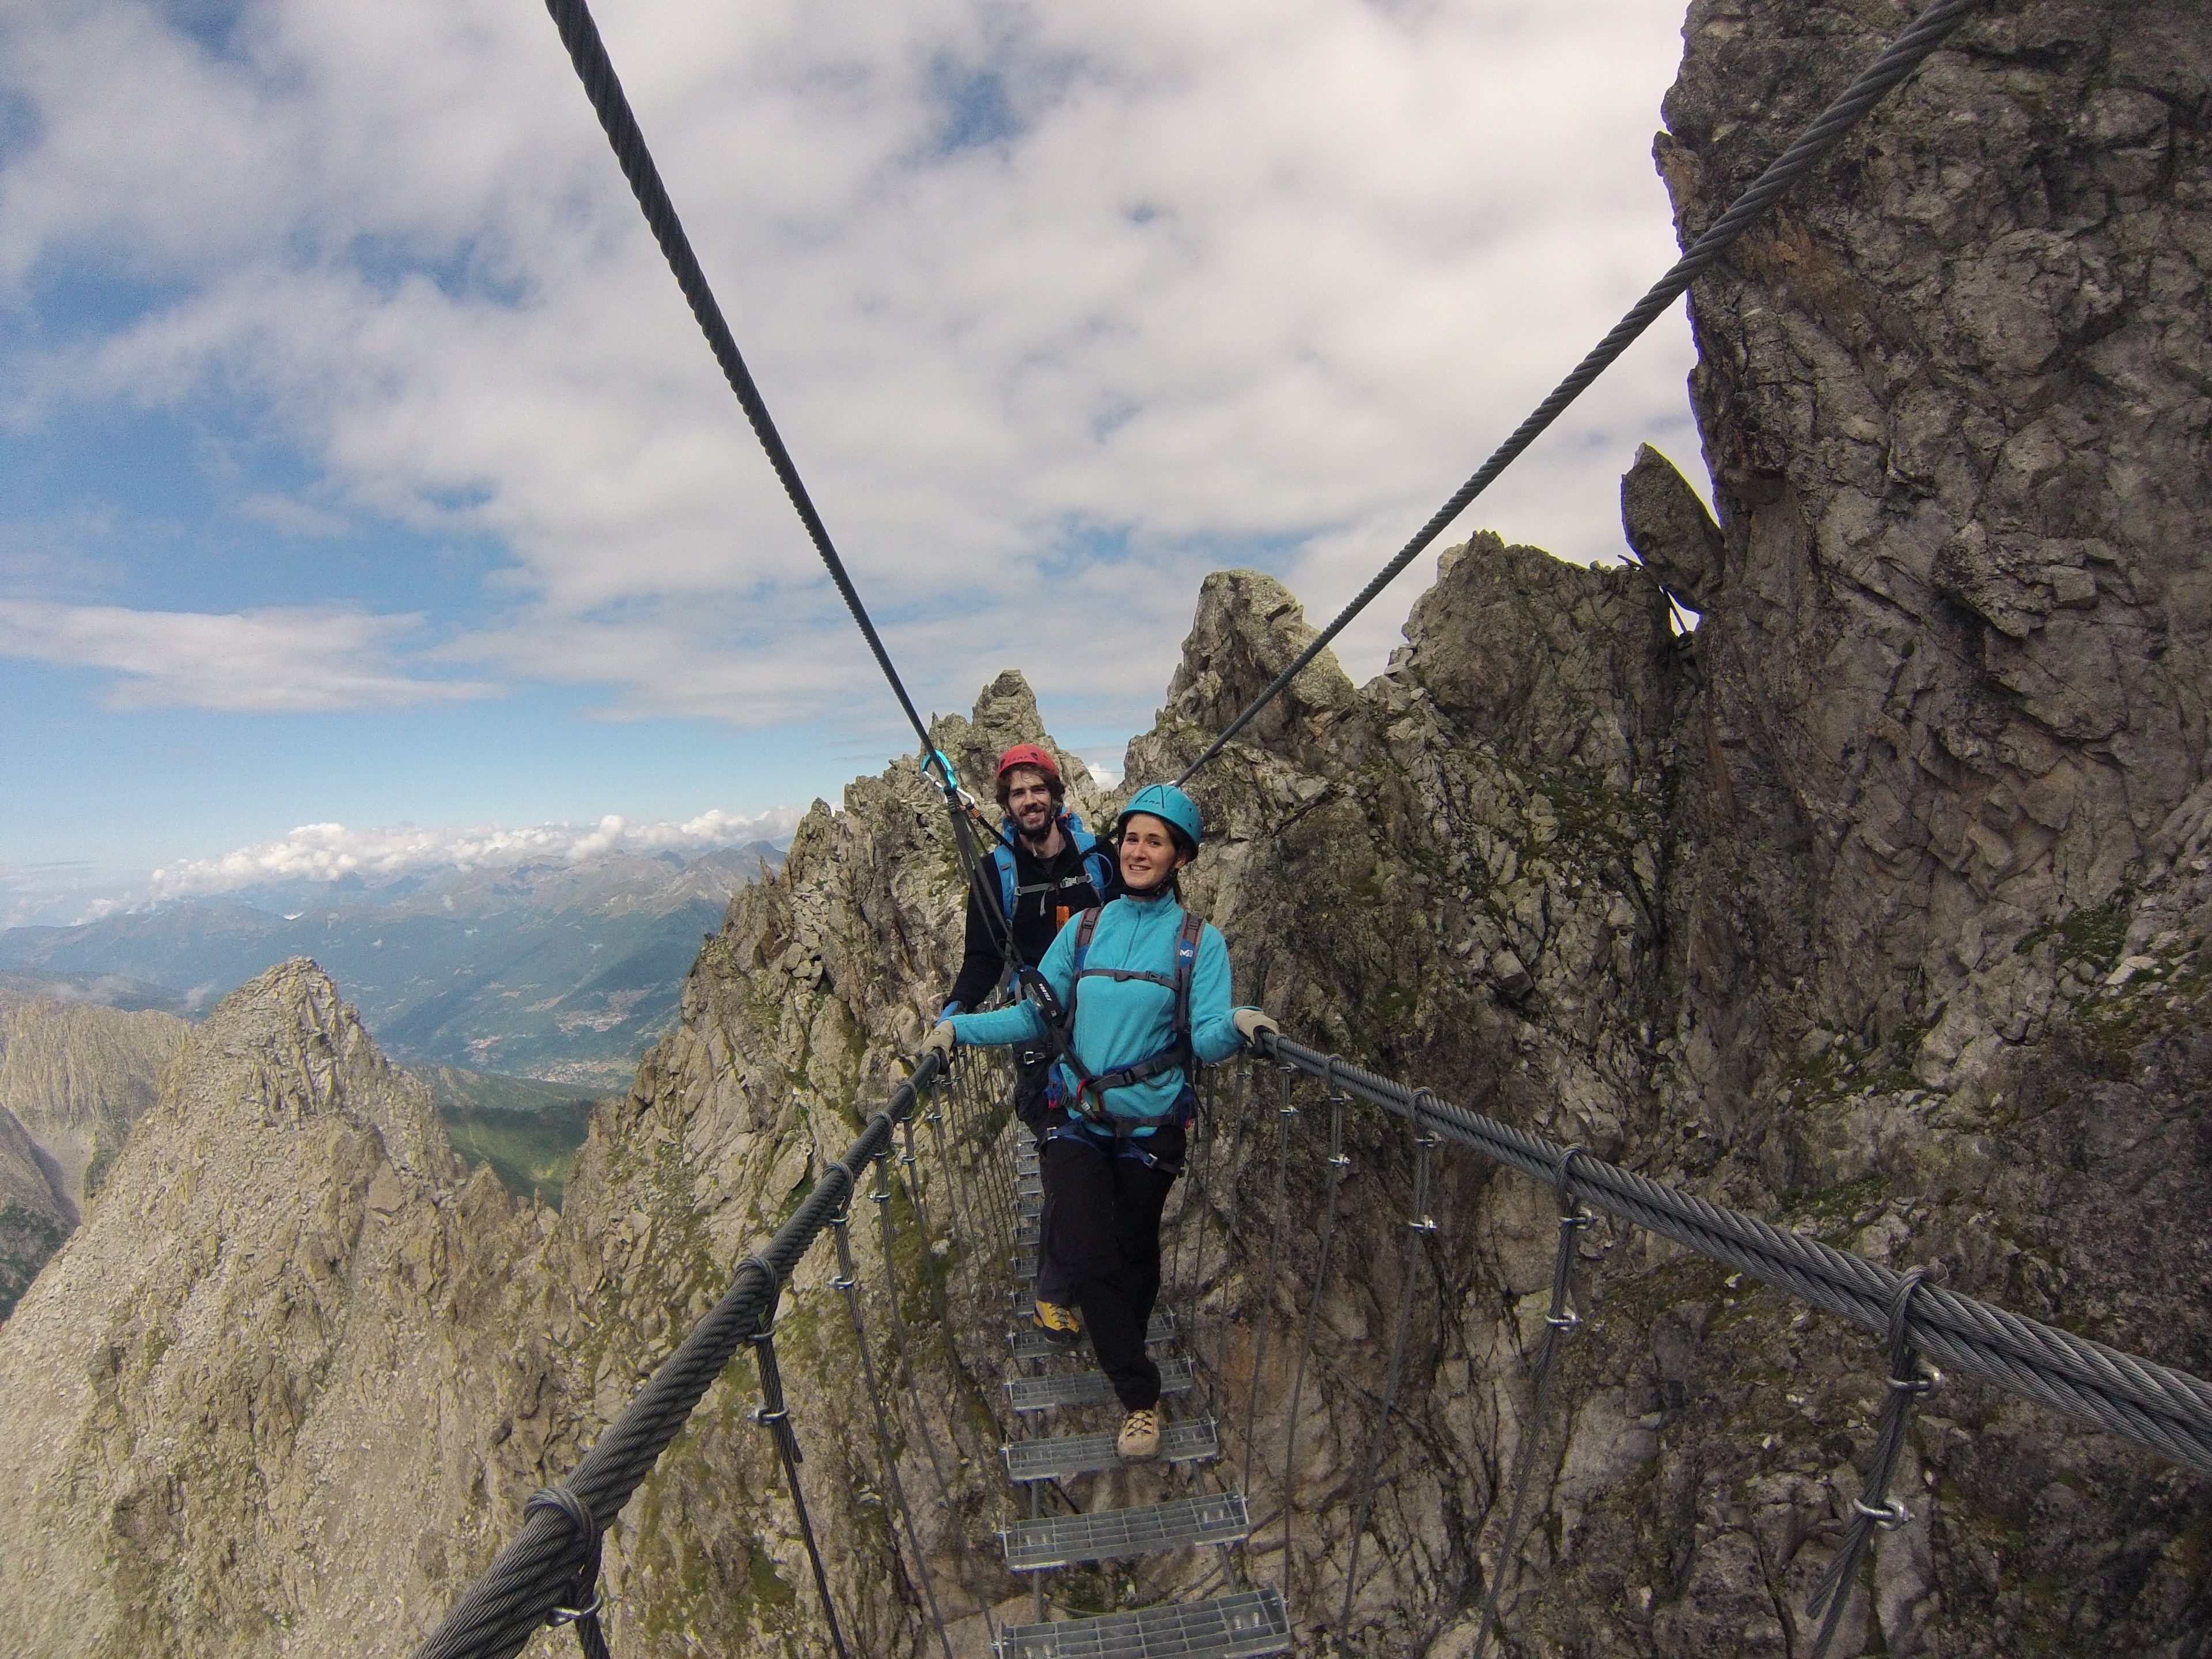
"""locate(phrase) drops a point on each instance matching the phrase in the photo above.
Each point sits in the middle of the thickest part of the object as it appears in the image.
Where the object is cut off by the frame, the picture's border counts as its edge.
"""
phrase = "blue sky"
(360, 466)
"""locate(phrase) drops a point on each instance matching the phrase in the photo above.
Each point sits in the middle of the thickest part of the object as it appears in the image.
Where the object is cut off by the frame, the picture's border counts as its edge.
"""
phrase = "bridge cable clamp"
(1873, 1508)
(584, 1617)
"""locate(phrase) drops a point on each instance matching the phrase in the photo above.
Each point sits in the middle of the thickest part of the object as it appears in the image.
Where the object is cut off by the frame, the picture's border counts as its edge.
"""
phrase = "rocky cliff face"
(273, 1393)
(35, 1212)
(74, 1078)
(1878, 905)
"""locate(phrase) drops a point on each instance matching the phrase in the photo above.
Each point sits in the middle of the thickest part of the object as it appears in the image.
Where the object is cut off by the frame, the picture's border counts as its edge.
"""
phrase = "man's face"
(1028, 800)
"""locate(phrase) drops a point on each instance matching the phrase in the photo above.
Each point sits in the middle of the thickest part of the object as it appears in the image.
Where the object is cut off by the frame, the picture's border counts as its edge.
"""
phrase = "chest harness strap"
(1176, 1055)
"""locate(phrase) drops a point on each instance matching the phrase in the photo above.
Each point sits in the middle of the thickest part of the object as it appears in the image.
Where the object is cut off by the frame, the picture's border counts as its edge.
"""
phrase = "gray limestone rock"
(35, 1212)
(1880, 905)
(1669, 530)
(273, 1397)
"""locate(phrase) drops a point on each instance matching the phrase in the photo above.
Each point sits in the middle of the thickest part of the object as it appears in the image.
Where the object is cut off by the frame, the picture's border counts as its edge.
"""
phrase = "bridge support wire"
(774, 1415)
(1928, 31)
(1418, 1225)
(2154, 1406)
(1338, 1164)
(1287, 1113)
(1559, 1323)
(524, 1584)
(1874, 1507)
(881, 1197)
(849, 1283)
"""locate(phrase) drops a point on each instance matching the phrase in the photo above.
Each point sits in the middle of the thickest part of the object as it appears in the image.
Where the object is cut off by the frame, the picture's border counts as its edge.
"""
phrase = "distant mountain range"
(563, 971)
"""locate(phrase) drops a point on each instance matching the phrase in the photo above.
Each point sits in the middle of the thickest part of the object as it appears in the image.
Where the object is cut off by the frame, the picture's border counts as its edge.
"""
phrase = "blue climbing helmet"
(1168, 803)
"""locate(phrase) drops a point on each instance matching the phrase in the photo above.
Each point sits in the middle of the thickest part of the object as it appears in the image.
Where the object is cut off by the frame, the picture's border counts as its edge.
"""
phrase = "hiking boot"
(1062, 1327)
(1140, 1439)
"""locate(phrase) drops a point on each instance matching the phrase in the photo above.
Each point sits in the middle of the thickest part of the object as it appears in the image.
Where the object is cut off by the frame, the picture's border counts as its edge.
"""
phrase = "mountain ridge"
(561, 969)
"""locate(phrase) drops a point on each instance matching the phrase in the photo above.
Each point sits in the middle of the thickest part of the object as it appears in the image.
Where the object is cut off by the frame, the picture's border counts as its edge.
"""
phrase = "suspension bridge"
(946, 1150)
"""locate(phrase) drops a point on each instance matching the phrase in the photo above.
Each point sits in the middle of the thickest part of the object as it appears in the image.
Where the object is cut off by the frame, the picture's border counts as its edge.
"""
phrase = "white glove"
(940, 1041)
(1250, 1022)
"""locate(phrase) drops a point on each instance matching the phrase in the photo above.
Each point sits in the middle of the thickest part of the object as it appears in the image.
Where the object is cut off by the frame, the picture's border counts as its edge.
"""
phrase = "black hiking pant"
(1102, 1214)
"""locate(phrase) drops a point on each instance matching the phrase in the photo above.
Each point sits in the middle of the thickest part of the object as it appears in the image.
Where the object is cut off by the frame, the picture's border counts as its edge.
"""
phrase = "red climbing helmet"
(1028, 754)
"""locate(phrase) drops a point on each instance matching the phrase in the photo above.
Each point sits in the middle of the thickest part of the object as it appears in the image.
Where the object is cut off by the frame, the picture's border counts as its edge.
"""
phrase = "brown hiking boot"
(1140, 1439)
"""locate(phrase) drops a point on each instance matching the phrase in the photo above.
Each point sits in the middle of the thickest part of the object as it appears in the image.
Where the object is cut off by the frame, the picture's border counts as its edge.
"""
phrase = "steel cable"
(2161, 1409)
(775, 1415)
(1285, 1113)
(1558, 1324)
(1338, 1163)
(881, 1198)
(581, 35)
(495, 1616)
(849, 1283)
(1416, 1226)
(1908, 1384)
(1927, 32)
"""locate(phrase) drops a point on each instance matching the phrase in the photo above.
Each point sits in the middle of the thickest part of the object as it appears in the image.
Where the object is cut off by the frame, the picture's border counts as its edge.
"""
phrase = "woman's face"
(1149, 856)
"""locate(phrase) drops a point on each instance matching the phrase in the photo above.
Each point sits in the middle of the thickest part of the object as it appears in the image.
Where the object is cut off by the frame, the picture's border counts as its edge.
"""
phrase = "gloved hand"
(940, 1041)
(1251, 1022)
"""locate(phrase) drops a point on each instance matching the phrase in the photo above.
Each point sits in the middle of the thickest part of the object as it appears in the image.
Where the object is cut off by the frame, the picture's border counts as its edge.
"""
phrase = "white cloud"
(1233, 283)
(331, 852)
(280, 660)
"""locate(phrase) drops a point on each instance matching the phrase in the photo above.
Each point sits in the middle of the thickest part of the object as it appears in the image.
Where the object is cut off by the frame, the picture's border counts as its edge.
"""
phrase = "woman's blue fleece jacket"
(1120, 1021)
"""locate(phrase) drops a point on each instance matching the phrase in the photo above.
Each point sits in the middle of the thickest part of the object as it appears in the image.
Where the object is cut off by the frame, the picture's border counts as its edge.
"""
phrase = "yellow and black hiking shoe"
(1062, 1327)
(1140, 1439)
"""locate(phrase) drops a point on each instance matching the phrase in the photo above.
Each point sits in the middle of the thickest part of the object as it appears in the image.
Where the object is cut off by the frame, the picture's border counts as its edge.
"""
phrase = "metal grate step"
(1029, 1186)
(1061, 1541)
(1036, 1394)
(1085, 1454)
(1241, 1626)
(1027, 1229)
(1025, 1159)
(1028, 1208)
(1025, 1266)
(1030, 1343)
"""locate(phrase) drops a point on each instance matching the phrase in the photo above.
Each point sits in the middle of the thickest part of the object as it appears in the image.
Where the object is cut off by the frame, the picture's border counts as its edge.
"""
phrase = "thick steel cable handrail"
(581, 35)
(1927, 32)
(495, 1617)
(2155, 1407)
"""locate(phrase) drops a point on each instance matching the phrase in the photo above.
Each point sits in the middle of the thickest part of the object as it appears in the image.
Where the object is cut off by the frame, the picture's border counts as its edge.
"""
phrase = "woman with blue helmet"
(1146, 989)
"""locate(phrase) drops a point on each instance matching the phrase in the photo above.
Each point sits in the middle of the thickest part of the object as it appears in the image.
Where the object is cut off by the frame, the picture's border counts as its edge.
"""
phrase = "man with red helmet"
(1049, 867)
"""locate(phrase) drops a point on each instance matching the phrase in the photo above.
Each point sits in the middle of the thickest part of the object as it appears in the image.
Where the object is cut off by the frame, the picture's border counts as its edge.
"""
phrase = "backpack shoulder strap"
(1003, 856)
(1085, 926)
(1188, 939)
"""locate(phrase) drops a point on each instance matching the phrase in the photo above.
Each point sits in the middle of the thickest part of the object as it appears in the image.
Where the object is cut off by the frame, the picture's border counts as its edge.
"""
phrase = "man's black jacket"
(1037, 914)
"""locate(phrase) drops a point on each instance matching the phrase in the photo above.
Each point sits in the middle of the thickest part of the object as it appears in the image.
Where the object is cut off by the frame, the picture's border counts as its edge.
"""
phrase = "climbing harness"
(1176, 1056)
